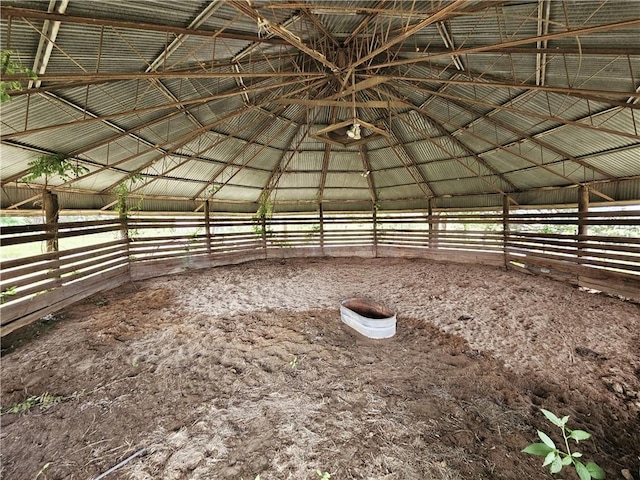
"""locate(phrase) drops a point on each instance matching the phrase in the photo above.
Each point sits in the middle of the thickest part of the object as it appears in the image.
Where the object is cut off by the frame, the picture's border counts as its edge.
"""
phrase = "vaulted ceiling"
(456, 102)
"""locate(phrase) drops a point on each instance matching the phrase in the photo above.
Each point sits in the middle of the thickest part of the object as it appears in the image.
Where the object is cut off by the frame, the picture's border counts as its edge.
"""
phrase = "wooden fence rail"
(38, 284)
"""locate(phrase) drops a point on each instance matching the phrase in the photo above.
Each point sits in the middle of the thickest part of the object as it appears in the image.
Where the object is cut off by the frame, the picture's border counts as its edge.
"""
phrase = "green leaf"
(567, 460)
(549, 458)
(546, 440)
(564, 420)
(581, 470)
(595, 471)
(552, 417)
(578, 435)
(539, 449)
(576, 454)
(556, 465)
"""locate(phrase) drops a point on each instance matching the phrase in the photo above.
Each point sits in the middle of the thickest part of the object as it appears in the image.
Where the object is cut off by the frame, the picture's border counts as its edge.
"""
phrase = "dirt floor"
(247, 370)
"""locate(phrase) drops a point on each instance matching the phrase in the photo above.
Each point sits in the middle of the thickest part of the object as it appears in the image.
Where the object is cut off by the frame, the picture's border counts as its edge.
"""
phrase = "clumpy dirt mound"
(222, 374)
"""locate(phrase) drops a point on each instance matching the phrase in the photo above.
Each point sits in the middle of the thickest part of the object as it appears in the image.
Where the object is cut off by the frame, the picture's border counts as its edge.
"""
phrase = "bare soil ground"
(244, 370)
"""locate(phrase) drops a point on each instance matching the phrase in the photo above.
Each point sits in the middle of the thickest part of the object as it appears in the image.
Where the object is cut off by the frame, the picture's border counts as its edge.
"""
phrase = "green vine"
(10, 67)
(122, 191)
(262, 217)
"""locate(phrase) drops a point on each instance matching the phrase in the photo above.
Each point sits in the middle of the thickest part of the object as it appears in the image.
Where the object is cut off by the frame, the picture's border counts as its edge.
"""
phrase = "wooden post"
(322, 228)
(264, 233)
(375, 230)
(583, 208)
(207, 225)
(505, 230)
(430, 219)
(124, 233)
(51, 216)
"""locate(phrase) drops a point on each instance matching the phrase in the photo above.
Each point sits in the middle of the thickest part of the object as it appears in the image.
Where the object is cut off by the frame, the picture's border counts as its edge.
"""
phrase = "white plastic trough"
(368, 317)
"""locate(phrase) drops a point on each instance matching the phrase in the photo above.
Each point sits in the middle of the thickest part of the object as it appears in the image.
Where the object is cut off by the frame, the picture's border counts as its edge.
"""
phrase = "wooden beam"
(366, 163)
(339, 103)
(160, 75)
(505, 229)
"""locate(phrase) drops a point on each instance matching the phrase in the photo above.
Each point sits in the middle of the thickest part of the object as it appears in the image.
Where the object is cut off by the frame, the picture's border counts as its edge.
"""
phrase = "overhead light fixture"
(354, 131)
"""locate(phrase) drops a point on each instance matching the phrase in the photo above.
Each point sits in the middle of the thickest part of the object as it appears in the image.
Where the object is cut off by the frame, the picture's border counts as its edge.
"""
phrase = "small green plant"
(44, 401)
(323, 475)
(556, 458)
(294, 362)
(4, 295)
(9, 67)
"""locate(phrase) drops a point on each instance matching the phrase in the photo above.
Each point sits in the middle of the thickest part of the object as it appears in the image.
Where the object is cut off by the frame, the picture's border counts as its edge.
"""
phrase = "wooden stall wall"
(607, 258)
(34, 286)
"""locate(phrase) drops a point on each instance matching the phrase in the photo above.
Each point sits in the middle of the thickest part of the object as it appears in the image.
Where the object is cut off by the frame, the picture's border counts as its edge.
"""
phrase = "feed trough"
(367, 317)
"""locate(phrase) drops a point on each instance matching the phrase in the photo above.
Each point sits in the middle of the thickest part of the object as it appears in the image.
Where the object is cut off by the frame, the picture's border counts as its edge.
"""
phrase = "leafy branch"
(54, 164)
(556, 459)
(10, 67)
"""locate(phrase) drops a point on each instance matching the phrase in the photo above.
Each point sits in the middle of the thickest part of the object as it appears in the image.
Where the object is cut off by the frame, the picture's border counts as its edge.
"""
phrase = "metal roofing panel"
(406, 191)
(503, 161)
(383, 159)
(238, 193)
(42, 112)
(469, 185)
(623, 162)
(346, 161)
(451, 169)
(300, 180)
(306, 161)
(296, 194)
(527, 179)
(394, 177)
(170, 187)
(340, 194)
(188, 169)
(582, 141)
(346, 180)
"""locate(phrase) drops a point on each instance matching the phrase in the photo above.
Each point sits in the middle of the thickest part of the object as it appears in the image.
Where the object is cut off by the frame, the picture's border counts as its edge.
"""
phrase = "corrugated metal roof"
(232, 102)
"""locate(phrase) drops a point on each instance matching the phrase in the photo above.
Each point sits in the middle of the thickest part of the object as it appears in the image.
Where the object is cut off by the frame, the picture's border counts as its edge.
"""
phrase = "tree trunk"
(51, 215)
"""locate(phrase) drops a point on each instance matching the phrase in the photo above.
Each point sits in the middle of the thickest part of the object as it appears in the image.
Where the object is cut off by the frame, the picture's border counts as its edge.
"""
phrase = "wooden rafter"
(367, 172)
